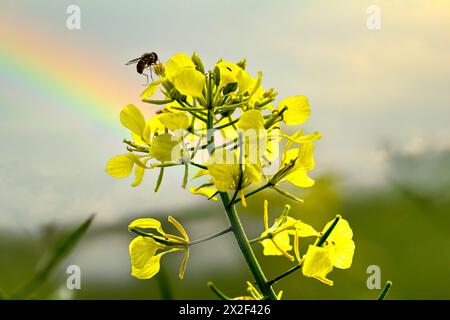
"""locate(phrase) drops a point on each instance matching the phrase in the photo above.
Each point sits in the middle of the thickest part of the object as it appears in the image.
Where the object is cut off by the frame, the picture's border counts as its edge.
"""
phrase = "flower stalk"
(246, 249)
(386, 289)
(243, 132)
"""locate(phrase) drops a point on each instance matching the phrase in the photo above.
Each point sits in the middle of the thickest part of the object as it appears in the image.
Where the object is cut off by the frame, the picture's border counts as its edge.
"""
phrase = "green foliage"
(61, 250)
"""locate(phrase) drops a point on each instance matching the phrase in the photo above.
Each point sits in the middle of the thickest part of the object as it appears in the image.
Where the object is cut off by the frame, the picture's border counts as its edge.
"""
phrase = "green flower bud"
(198, 62)
(242, 63)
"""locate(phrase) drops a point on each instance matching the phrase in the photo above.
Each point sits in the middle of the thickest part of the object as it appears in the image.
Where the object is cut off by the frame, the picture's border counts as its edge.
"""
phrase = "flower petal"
(151, 89)
(175, 64)
(131, 118)
(305, 230)
(224, 169)
(164, 147)
(317, 263)
(150, 269)
(251, 119)
(207, 192)
(139, 175)
(120, 166)
(298, 110)
(282, 241)
(142, 249)
(342, 254)
(300, 178)
(228, 72)
(146, 223)
(190, 82)
(174, 121)
(341, 232)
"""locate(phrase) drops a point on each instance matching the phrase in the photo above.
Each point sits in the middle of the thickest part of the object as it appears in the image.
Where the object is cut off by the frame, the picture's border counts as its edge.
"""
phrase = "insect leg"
(146, 75)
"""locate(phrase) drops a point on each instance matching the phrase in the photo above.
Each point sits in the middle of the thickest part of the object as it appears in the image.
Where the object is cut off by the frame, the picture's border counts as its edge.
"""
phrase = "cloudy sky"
(61, 90)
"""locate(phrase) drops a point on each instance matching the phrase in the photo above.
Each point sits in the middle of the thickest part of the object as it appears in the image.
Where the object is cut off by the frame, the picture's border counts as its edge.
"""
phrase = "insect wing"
(132, 61)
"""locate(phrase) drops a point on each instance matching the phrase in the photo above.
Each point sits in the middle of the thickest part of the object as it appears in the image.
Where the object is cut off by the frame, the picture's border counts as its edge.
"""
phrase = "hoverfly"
(147, 60)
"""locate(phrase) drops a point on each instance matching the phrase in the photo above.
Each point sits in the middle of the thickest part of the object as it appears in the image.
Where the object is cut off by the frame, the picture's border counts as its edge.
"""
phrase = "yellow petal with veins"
(297, 112)
(142, 249)
(317, 264)
(150, 269)
(177, 63)
(120, 166)
(190, 82)
(164, 147)
(131, 118)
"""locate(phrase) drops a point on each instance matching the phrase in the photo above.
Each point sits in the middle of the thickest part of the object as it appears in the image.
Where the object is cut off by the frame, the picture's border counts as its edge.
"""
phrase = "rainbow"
(80, 94)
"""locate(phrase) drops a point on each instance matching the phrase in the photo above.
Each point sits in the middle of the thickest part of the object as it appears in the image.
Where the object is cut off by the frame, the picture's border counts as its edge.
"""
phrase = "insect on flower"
(147, 60)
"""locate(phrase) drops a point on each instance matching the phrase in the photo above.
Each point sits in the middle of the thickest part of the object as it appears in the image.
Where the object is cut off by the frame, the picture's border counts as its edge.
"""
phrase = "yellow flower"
(164, 147)
(272, 143)
(296, 162)
(151, 139)
(174, 120)
(304, 162)
(181, 72)
(297, 110)
(226, 171)
(337, 251)
(229, 174)
(340, 244)
(277, 237)
(145, 262)
(232, 73)
(257, 93)
(253, 135)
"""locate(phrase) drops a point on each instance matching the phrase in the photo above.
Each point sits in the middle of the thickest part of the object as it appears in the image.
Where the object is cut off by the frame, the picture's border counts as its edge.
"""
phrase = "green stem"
(327, 233)
(213, 236)
(246, 248)
(252, 241)
(253, 192)
(235, 222)
(219, 293)
(157, 102)
(281, 276)
(264, 103)
(227, 124)
(274, 118)
(385, 290)
(198, 165)
(184, 109)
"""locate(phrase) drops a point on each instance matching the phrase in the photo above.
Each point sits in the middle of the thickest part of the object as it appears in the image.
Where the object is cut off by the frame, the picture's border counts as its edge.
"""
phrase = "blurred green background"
(402, 228)
(379, 97)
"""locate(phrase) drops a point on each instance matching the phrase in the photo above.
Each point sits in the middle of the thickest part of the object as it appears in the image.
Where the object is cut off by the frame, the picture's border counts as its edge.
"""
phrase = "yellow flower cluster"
(335, 251)
(226, 125)
(222, 122)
